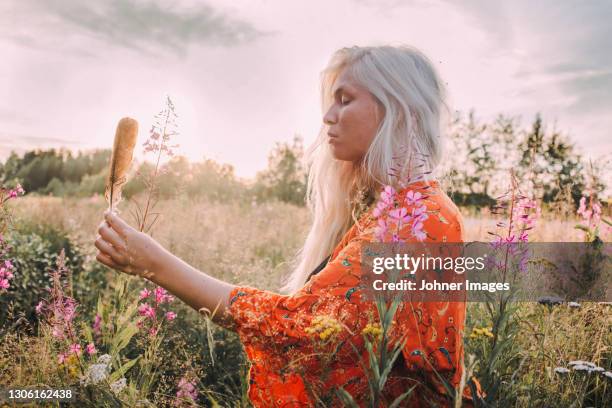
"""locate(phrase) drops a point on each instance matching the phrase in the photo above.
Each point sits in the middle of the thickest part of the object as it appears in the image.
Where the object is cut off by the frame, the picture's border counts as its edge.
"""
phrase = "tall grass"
(252, 245)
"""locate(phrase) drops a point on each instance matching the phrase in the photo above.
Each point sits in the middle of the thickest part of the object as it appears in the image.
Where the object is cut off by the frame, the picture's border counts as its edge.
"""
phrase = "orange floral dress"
(304, 347)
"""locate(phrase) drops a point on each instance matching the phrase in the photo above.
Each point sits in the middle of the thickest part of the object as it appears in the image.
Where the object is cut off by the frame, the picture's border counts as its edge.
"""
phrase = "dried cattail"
(121, 159)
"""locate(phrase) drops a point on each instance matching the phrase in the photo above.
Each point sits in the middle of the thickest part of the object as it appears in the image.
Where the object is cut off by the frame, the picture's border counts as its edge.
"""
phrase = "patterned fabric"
(303, 347)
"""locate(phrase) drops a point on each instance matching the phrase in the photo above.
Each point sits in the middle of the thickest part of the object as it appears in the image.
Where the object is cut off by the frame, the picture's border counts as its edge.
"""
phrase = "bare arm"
(125, 249)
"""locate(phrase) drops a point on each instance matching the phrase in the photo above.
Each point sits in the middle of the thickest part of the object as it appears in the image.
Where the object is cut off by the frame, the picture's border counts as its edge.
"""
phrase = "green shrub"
(34, 251)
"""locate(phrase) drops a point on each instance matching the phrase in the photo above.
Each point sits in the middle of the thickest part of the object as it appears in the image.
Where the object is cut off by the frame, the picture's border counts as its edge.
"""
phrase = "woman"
(383, 108)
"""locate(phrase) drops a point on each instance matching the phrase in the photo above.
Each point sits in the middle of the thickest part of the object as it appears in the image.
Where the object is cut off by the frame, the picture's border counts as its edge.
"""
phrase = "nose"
(330, 117)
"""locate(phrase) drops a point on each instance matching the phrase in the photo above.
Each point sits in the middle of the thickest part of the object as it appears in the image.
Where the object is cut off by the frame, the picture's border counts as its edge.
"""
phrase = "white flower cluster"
(97, 372)
(585, 366)
(118, 385)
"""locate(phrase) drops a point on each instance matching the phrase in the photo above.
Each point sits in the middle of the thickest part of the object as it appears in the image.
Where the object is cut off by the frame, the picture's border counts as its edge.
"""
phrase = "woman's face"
(353, 119)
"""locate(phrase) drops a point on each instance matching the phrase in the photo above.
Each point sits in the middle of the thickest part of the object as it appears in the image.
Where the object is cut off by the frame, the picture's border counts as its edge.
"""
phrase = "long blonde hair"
(412, 96)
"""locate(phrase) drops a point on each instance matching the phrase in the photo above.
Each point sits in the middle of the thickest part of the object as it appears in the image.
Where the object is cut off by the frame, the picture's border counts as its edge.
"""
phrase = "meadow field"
(173, 356)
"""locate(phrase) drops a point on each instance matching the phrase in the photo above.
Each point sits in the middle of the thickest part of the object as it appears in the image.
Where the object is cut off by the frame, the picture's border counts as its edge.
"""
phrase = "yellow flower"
(324, 327)
(373, 331)
(71, 363)
(481, 332)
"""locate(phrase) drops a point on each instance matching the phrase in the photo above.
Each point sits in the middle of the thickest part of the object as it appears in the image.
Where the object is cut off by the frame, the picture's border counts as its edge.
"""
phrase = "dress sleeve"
(261, 316)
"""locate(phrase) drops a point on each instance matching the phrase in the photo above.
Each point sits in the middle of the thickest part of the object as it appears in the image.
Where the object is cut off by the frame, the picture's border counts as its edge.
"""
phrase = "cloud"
(27, 140)
(145, 26)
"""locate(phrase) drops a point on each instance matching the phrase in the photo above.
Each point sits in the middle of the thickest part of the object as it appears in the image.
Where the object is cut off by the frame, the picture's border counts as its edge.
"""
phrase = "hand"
(126, 249)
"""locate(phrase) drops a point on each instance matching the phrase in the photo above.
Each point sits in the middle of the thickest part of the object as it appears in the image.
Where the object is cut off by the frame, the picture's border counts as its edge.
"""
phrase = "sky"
(245, 74)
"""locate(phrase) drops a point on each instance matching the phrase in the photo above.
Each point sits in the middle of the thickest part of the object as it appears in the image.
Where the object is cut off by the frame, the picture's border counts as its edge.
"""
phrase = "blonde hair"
(412, 96)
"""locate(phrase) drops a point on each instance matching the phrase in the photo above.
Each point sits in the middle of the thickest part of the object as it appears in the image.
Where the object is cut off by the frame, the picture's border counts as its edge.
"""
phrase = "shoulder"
(444, 217)
(421, 211)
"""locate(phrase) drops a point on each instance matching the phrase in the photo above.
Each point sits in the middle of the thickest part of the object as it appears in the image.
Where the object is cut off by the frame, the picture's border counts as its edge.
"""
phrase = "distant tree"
(213, 180)
(549, 165)
(566, 167)
(285, 177)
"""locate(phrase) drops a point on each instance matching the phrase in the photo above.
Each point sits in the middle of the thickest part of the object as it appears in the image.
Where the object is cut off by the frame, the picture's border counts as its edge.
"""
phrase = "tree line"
(474, 172)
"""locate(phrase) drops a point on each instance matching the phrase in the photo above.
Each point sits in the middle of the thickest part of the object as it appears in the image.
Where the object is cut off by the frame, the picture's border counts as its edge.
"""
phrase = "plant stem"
(146, 211)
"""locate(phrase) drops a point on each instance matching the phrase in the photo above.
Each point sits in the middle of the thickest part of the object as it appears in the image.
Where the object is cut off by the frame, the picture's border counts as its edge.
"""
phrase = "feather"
(121, 159)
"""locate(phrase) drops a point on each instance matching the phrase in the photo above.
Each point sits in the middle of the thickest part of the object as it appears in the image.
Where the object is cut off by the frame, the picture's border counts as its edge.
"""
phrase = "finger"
(116, 223)
(112, 237)
(107, 260)
(109, 250)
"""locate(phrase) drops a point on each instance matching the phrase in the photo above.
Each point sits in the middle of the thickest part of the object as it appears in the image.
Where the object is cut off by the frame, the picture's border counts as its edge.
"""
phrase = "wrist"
(159, 259)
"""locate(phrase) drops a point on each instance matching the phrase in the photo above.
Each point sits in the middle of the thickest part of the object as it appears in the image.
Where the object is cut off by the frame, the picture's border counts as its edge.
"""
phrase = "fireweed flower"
(6, 267)
(7, 193)
(39, 307)
(187, 392)
(75, 349)
(158, 144)
(398, 216)
(59, 313)
(591, 217)
(381, 229)
(144, 294)
(96, 325)
(146, 310)
(162, 296)
(388, 194)
(90, 349)
(152, 312)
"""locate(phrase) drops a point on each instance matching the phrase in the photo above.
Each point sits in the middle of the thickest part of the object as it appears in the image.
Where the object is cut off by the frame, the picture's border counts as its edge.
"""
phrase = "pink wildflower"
(57, 332)
(387, 195)
(144, 293)
(4, 284)
(413, 197)
(400, 215)
(6, 273)
(419, 214)
(380, 208)
(90, 349)
(96, 324)
(381, 230)
(75, 349)
(162, 296)
(146, 310)
(186, 391)
(170, 316)
(417, 231)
